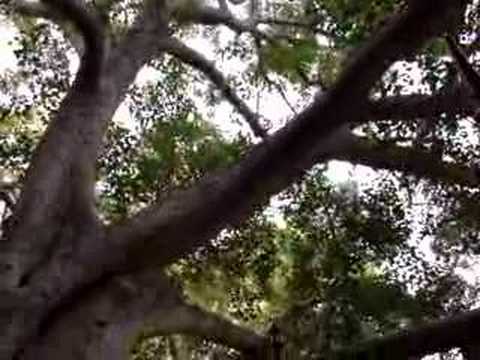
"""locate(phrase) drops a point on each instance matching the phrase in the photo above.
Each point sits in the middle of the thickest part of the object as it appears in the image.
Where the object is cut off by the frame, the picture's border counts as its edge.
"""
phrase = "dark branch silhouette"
(466, 69)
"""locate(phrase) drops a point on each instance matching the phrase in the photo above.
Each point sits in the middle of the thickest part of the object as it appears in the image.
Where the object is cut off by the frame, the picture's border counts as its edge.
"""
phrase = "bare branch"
(198, 61)
(169, 230)
(208, 15)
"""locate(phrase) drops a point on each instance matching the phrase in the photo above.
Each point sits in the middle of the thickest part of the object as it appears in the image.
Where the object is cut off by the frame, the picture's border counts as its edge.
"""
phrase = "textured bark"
(74, 288)
(55, 228)
(112, 315)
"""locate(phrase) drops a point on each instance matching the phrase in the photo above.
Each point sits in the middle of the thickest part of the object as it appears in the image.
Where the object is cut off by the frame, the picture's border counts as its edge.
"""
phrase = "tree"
(78, 285)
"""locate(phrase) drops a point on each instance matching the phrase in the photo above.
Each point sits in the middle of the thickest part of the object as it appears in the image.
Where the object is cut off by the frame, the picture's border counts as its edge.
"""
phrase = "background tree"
(96, 213)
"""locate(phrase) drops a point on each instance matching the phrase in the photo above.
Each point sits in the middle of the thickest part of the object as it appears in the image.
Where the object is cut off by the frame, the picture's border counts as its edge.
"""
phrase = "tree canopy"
(164, 187)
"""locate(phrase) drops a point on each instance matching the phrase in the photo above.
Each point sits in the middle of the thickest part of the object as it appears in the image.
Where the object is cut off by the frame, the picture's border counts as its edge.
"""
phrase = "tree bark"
(107, 320)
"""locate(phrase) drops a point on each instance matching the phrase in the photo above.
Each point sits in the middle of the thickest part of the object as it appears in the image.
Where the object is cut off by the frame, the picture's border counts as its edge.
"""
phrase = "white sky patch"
(410, 77)
(123, 117)
(7, 37)
(341, 171)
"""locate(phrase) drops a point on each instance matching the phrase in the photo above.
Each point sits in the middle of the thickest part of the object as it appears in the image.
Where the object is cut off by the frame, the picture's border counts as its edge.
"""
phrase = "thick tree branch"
(57, 200)
(52, 186)
(458, 100)
(198, 61)
(169, 230)
(105, 321)
(422, 164)
(192, 320)
(457, 331)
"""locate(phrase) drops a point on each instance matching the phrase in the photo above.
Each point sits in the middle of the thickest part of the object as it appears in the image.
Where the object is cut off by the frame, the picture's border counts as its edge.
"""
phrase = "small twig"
(279, 88)
(261, 70)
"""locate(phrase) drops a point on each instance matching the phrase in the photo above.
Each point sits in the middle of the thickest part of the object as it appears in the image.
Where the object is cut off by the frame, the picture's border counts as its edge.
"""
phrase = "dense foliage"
(330, 263)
